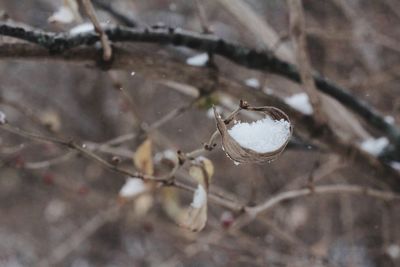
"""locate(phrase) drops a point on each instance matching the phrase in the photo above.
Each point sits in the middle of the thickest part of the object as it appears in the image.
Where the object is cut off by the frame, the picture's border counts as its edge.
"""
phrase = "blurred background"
(57, 208)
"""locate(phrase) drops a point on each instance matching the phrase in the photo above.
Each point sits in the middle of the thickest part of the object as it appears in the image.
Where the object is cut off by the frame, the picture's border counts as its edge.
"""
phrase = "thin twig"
(164, 180)
(91, 13)
(203, 17)
(321, 190)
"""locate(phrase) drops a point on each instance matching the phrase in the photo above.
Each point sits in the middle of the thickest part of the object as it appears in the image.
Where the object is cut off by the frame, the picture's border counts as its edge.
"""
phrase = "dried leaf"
(195, 217)
(143, 204)
(51, 120)
(171, 205)
(143, 159)
(139, 190)
(202, 170)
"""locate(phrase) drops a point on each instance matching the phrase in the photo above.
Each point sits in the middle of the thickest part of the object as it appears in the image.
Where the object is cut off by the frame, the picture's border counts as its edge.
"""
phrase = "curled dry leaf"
(194, 217)
(143, 159)
(51, 120)
(138, 189)
(270, 144)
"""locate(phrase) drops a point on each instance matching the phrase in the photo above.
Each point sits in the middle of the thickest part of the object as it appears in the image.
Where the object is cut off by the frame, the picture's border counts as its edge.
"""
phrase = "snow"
(374, 146)
(132, 188)
(210, 112)
(55, 210)
(252, 82)
(199, 60)
(262, 136)
(2, 117)
(200, 197)
(393, 251)
(389, 119)
(395, 165)
(62, 15)
(300, 102)
(82, 28)
(269, 91)
(166, 154)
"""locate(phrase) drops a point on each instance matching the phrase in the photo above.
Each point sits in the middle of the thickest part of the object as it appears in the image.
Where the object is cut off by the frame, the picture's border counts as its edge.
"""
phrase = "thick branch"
(264, 61)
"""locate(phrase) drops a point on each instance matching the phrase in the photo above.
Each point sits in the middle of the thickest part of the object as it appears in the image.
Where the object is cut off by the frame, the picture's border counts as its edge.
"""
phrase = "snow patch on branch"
(262, 136)
(199, 60)
(253, 82)
(300, 102)
(82, 28)
(374, 146)
(389, 119)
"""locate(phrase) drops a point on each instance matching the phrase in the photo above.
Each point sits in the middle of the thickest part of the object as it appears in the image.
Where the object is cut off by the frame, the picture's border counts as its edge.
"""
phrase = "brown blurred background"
(353, 42)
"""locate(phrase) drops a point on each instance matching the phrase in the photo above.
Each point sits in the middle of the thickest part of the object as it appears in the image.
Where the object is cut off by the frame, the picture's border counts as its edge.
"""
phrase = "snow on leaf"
(300, 102)
(262, 136)
(132, 188)
(200, 197)
(195, 217)
(374, 146)
(199, 60)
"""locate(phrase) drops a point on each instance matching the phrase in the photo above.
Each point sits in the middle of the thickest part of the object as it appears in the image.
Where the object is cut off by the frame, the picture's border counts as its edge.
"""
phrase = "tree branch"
(321, 190)
(152, 66)
(91, 13)
(263, 61)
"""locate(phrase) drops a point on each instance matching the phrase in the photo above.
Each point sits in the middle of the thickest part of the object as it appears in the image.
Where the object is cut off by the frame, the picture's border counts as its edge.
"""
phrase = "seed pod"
(241, 154)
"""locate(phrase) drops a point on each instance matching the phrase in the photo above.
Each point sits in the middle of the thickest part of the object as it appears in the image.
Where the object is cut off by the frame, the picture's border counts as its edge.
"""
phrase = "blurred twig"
(297, 30)
(91, 13)
(107, 6)
(81, 235)
(321, 190)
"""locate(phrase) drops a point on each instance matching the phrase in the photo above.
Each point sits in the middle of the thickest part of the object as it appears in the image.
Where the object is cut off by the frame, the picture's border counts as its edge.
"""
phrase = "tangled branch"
(259, 60)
